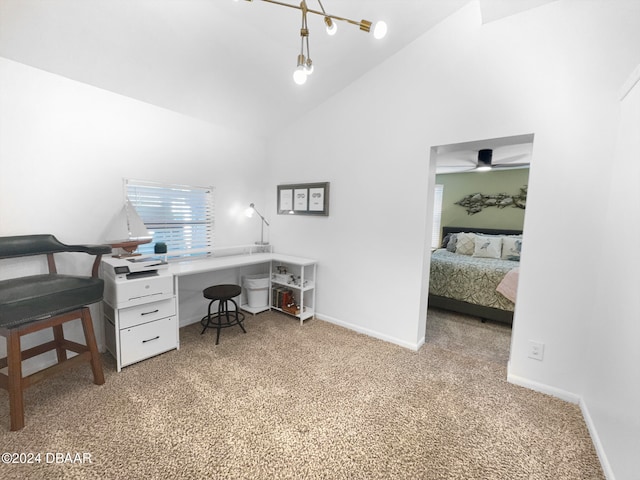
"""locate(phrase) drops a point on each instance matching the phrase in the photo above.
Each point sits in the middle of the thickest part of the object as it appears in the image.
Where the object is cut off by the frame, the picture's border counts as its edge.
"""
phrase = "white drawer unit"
(147, 340)
(140, 314)
(147, 312)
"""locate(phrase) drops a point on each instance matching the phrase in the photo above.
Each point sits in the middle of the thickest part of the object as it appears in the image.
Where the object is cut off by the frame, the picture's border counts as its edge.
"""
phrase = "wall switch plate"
(536, 350)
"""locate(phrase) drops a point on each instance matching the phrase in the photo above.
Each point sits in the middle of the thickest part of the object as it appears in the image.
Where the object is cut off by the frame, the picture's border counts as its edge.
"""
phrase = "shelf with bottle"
(293, 282)
(293, 289)
(292, 302)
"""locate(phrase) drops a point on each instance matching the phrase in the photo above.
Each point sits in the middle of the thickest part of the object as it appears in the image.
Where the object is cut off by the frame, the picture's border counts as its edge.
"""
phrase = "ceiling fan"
(485, 159)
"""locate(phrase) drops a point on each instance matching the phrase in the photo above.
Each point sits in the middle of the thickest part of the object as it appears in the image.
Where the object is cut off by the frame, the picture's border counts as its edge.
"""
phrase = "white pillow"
(488, 247)
(466, 243)
(511, 248)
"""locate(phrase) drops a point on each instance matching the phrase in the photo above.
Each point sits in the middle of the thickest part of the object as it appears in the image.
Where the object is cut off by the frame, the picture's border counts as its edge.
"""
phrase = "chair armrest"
(97, 250)
(90, 249)
(27, 245)
(47, 244)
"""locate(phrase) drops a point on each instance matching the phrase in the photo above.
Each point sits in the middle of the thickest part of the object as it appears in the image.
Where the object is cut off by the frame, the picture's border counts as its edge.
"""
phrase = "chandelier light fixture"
(304, 66)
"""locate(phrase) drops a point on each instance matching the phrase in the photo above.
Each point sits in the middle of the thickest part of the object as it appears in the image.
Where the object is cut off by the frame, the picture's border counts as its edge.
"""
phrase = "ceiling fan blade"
(505, 166)
(501, 157)
(466, 157)
(521, 158)
(507, 151)
(453, 169)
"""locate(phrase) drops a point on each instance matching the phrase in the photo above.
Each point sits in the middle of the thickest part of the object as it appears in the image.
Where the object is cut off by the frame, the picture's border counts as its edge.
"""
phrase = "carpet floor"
(317, 402)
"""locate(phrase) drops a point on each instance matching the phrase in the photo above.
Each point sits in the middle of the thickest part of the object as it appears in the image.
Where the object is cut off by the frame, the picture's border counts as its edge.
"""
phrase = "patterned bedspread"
(470, 279)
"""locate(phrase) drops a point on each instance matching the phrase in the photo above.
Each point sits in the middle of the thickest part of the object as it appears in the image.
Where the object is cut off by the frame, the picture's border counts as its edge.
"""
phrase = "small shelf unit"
(292, 287)
(293, 279)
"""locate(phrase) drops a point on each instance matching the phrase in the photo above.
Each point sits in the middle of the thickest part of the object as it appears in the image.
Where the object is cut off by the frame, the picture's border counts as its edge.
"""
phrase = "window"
(437, 216)
(179, 215)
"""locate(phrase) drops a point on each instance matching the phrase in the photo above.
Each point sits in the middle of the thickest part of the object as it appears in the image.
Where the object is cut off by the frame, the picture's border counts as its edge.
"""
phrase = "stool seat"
(223, 294)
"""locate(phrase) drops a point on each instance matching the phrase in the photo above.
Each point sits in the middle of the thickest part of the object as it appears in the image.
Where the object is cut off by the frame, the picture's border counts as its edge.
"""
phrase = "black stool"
(222, 294)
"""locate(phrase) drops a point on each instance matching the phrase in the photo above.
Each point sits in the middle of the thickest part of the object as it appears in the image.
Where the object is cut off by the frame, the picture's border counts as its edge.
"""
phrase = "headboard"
(487, 231)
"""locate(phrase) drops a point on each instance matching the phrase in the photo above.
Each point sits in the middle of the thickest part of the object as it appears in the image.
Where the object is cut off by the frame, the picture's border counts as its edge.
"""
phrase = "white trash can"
(257, 287)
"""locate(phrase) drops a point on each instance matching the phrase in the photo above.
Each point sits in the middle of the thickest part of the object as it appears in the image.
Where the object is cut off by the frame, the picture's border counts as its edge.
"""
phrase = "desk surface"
(189, 267)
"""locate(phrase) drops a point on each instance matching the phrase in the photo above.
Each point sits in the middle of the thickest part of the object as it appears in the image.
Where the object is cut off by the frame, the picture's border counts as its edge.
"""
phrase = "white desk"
(142, 315)
(230, 269)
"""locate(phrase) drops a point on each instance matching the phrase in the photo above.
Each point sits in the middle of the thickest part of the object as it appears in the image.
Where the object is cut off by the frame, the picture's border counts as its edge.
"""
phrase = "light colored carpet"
(317, 401)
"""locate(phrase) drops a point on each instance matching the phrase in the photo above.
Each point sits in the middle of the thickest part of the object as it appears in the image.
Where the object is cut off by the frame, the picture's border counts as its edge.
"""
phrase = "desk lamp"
(249, 212)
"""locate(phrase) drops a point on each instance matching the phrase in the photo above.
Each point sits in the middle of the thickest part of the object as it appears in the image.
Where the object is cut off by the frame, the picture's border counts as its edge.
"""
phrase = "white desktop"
(142, 302)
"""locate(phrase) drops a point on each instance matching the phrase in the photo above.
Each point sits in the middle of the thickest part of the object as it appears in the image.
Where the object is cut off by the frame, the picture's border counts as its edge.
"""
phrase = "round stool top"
(222, 292)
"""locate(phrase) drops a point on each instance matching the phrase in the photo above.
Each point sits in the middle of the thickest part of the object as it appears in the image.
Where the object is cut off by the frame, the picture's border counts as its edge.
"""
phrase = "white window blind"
(437, 216)
(179, 215)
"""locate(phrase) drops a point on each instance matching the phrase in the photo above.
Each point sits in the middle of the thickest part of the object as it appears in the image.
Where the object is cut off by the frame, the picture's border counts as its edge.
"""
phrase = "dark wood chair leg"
(14, 380)
(89, 335)
(58, 335)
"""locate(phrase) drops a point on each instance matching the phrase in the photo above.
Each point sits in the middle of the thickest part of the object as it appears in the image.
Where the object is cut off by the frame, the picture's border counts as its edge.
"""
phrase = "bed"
(476, 272)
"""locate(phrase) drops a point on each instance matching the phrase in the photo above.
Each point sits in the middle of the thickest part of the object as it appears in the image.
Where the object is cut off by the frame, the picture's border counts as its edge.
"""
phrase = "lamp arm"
(364, 24)
(263, 219)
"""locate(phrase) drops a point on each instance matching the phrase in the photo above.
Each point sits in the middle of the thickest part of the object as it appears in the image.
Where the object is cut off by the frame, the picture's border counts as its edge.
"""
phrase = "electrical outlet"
(536, 350)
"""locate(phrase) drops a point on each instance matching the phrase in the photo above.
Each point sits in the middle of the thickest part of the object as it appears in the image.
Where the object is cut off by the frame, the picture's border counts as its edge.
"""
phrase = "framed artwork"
(304, 199)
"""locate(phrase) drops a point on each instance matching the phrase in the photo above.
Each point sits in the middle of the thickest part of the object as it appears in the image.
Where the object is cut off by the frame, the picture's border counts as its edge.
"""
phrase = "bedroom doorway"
(482, 187)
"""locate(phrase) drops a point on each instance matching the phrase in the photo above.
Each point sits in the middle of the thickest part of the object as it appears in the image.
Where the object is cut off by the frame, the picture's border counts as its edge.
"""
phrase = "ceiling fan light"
(380, 30)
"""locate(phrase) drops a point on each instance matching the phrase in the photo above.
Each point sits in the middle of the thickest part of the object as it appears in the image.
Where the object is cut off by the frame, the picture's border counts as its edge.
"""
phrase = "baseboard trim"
(340, 323)
(542, 388)
(571, 398)
(595, 438)
(371, 333)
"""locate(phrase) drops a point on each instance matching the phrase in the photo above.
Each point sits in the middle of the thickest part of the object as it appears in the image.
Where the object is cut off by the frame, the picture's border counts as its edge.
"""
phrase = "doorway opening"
(475, 249)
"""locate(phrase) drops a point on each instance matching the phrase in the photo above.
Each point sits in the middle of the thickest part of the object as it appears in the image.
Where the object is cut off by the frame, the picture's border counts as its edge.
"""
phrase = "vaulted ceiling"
(221, 61)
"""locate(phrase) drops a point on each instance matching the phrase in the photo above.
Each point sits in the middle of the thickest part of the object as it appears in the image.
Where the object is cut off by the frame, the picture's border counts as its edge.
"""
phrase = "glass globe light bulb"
(333, 28)
(308, 67)
(380, 30)
(299, 75)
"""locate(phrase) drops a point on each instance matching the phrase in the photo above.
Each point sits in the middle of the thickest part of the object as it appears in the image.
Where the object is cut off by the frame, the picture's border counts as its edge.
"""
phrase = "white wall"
(612, 389)
(65, 147)
(553, 71)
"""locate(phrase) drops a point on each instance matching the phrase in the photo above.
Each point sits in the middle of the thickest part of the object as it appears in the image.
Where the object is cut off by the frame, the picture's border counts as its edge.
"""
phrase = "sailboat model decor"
(128, 232)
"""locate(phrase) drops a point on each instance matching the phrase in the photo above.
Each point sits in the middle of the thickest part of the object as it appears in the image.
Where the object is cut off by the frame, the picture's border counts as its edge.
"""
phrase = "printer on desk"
(132, 281)
(130, 268)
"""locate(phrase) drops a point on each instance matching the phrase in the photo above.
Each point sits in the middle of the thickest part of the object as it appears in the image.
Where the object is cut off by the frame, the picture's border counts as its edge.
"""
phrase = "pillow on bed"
(511, 248)
(465, 244)
(451, 241)
(488, 247)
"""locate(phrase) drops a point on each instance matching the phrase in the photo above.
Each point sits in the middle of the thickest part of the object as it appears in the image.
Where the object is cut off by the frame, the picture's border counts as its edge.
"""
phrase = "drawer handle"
(149, 313)
(151, 339)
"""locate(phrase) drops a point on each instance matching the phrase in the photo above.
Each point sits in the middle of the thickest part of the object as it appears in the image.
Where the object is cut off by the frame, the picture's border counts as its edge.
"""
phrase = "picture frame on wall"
(304, 199)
